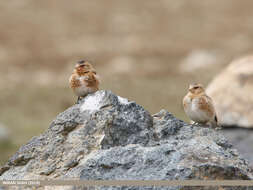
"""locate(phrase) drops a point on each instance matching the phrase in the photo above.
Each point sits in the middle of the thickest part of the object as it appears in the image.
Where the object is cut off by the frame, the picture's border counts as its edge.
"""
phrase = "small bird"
(199, 107)
(84, 79)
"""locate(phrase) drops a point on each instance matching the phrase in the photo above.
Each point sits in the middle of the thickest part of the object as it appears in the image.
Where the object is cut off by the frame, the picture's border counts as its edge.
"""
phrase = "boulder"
(105, 137)
(242, 139)
(232, 91)
(199, 59)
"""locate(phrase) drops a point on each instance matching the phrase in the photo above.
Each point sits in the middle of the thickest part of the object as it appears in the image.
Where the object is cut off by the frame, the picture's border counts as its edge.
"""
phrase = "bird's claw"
(78, 99)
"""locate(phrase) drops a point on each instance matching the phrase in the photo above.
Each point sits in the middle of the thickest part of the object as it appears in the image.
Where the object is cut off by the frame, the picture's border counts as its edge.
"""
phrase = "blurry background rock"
(232, 91)
(139, 49)
(199, 59)
(4, 133)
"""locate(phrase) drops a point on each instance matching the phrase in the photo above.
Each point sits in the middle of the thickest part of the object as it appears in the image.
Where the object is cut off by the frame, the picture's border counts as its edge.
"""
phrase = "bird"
(84, 79)
(199, 107)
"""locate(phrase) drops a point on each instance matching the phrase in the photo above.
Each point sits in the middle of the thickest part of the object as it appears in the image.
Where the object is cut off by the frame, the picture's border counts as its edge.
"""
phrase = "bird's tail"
(215, 123)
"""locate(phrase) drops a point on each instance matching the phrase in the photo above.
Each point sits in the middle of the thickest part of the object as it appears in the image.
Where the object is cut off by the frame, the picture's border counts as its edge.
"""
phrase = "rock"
(198, 59)
(242, 139)
(107, 137)
(231, 91)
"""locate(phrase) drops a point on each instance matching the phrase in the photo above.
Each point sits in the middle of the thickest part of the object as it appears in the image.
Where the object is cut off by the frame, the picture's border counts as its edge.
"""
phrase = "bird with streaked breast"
(199, 107)
(84, 79)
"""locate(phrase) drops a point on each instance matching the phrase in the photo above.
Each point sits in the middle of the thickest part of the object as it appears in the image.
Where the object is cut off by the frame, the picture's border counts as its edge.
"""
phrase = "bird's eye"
(196, 87)
(81, 62)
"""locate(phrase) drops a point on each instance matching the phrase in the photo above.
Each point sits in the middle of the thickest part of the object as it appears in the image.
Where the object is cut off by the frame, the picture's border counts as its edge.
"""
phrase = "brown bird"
(84, 79)
(199, 107)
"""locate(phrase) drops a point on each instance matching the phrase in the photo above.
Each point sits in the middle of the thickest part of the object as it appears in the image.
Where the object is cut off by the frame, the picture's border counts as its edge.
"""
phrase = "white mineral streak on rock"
(92, 103)
(123, 100)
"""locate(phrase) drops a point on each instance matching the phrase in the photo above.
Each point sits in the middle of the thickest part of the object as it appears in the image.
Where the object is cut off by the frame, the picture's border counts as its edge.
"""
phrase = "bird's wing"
(98, 78)
(70, 78)
(206, 104)
(91, 79)
(186, 101)
(73, 81)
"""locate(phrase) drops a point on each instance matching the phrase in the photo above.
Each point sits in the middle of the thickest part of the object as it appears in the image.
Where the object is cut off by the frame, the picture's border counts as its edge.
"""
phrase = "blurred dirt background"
(148, 51)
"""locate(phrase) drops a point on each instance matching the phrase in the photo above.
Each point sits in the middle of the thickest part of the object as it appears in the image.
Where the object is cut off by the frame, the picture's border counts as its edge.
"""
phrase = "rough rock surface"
(106, 137)
(242, 139)
(231, 91)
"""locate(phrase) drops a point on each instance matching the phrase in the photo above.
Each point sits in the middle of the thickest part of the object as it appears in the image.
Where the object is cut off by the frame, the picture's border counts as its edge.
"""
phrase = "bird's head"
(196, 89)
(83, 67)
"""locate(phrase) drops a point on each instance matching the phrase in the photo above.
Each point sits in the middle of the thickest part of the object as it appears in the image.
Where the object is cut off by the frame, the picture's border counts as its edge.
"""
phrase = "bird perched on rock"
(84, 79)
(199, 107)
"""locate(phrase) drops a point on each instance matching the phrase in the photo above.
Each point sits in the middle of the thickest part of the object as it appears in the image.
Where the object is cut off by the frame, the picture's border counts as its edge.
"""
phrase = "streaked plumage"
(84, 79)
(199, 107)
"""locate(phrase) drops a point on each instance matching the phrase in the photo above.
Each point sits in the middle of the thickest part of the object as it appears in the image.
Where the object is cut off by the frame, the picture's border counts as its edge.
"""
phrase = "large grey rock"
(105, 136)
(242, 139)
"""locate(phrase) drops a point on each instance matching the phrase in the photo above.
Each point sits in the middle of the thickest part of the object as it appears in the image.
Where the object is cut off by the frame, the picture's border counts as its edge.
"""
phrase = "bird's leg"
(199, 124)
(217, 127)
(78, 99)
(194, 123)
